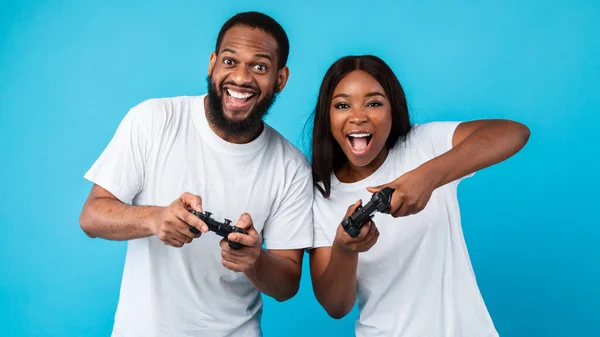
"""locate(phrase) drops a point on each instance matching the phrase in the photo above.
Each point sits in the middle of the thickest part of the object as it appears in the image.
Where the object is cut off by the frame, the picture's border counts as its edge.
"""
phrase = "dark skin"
(247, 57)
(475, 145)
(347, 119)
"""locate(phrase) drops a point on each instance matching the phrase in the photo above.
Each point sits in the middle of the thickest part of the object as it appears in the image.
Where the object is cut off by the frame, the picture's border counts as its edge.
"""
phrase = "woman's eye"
(341, 106)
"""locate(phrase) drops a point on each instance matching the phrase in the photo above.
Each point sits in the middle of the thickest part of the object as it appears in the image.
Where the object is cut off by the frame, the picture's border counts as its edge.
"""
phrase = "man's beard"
(239, 128)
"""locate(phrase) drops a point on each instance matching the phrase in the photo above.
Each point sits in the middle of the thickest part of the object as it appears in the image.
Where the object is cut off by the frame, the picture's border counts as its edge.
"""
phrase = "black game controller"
(220, 228)
(380, 201)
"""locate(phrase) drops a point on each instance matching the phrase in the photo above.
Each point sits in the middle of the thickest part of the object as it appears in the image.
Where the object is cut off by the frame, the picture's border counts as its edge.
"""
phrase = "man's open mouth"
(239, 98)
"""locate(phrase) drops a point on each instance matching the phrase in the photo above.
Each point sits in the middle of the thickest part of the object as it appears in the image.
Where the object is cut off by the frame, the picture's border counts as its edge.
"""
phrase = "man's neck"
(242, 138)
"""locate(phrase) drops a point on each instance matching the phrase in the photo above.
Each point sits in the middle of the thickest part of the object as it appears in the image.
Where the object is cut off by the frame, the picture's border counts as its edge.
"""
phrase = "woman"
(409, 269)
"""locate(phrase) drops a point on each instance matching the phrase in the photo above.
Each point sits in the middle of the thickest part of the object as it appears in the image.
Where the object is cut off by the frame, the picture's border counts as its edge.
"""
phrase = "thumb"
(192, 200)
(353, 207)
(375, 188)
(245, 222)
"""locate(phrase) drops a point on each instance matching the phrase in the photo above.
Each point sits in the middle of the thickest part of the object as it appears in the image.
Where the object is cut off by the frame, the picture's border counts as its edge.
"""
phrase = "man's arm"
(105, 216)
(275, 273)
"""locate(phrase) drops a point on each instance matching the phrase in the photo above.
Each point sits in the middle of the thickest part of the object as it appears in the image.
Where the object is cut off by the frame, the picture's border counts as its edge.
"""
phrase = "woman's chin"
(359, 159)
(368, 158)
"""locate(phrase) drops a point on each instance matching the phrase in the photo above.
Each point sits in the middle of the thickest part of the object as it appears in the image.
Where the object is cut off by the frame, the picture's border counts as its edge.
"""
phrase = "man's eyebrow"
(263, 55)
(267, 56)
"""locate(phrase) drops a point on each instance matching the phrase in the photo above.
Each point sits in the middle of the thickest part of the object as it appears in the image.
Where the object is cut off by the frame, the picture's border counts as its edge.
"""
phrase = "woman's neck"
(350, 173)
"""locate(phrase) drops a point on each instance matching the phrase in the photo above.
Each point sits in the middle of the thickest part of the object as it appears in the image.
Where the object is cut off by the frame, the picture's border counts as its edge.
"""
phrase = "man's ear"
(282, 77)
(211, 62)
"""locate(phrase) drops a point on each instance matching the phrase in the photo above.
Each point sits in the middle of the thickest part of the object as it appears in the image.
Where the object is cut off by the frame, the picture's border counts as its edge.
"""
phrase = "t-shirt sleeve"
(435, 138)
(120, 167)
(319, 237)
(290, 227)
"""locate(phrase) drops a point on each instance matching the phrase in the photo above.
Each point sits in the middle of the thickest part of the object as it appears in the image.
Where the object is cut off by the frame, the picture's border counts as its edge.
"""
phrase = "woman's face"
(361, 119)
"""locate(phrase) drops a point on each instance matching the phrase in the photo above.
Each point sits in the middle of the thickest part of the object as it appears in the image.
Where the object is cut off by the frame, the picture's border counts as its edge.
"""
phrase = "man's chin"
(236, 117)
(238, 121)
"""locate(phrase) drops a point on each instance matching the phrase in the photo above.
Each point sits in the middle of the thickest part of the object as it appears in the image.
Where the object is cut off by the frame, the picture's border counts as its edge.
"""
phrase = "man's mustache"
(246, 86)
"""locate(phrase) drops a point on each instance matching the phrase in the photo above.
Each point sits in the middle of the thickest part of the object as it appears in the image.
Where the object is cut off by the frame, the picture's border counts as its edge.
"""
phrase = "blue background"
(69, 71)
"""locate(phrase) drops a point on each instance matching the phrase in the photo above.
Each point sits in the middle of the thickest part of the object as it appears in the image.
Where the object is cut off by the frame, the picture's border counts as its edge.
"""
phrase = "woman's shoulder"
(434, 138)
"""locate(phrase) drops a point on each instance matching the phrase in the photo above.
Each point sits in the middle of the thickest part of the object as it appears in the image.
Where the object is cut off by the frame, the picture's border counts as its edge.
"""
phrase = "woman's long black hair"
(327, 155)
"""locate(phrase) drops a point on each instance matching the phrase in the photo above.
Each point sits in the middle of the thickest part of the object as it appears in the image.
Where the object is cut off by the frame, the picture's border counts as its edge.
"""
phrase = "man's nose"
(241, 75)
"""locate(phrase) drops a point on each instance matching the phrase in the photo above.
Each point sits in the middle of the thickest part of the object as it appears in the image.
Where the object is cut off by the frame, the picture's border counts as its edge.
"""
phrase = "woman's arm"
(333, 269)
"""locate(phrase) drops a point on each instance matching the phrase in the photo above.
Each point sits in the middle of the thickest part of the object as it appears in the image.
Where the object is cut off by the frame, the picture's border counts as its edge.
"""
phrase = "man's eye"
(260, 67)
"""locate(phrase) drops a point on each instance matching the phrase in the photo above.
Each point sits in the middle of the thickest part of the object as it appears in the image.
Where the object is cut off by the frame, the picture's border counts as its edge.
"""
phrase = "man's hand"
(364, 241)
(412, 192)
(172, 223)
(243, 259)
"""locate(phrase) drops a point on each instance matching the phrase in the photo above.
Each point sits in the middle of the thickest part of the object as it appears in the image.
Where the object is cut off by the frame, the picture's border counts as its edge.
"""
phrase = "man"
(210, 153)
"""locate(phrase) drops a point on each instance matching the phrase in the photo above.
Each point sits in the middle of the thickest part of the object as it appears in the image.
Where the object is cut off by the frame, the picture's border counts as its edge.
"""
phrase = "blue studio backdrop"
(70, 70)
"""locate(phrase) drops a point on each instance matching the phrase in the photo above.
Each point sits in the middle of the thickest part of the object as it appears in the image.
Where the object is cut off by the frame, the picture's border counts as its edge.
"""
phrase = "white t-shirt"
(165, 147)
(417, 280)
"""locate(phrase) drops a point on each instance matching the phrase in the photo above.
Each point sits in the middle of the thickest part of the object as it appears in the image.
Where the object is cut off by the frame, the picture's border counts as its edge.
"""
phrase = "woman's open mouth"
(360, 142)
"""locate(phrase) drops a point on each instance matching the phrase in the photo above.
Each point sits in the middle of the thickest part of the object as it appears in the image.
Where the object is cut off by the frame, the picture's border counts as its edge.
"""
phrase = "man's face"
(243, 79)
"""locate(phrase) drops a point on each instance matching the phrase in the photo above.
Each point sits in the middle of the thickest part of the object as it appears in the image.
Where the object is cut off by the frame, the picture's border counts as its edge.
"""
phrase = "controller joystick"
(380, 201)
(220, 228)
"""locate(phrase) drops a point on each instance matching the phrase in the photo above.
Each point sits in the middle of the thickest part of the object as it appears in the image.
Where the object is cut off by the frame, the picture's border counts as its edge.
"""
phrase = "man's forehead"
(246, 39)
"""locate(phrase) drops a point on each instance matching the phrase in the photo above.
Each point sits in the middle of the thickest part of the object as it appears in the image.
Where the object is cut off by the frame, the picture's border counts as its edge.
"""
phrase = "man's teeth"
(239, 95)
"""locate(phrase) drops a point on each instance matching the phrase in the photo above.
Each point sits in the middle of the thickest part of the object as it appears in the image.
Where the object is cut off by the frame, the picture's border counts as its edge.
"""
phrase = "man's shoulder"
(283, 147)
(158, 106)
(158, 114)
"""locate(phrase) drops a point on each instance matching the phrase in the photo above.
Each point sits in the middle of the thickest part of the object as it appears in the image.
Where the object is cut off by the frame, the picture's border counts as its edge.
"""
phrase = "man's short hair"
(264, 23)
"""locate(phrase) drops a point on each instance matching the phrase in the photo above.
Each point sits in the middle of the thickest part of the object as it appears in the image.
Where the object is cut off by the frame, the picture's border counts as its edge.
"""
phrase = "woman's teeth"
(359, 141)
(360, 135)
